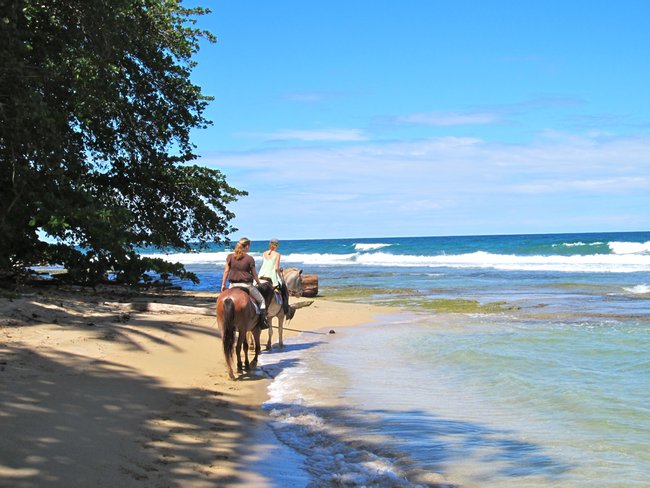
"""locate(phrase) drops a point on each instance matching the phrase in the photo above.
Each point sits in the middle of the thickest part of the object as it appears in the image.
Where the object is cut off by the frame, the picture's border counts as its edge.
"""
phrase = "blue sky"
(386, 118)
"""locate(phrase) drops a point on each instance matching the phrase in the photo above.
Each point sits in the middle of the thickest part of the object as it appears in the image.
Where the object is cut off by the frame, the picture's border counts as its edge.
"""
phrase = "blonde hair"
(239, 248)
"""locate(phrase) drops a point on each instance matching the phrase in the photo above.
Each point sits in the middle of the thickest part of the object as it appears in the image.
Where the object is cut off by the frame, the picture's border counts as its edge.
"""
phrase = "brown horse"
(237, 314)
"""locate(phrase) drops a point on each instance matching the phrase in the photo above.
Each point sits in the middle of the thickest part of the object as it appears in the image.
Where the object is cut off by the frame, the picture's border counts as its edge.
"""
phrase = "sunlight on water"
(538, 377)
(485, 403)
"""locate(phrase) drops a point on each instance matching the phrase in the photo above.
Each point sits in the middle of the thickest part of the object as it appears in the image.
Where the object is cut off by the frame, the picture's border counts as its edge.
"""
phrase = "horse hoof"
(267, 348)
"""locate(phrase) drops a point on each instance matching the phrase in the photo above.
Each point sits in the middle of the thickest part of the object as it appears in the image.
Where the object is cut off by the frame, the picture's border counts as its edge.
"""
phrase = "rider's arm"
(226, 272)
(254, 273)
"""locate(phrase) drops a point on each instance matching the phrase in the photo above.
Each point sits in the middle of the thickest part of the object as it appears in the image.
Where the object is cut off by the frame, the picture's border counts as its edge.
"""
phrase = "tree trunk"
(309, 285)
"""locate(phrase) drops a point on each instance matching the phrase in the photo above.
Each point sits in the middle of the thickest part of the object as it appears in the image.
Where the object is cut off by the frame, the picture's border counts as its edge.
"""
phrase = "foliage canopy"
(96, 109)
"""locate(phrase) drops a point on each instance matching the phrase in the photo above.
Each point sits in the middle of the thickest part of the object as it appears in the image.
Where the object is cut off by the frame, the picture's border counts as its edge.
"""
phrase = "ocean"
(511, 361)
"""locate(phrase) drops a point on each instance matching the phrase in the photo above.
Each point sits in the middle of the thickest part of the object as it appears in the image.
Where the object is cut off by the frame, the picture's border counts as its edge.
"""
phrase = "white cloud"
(449, 118)
(331, 135)
(602, 185)
(444, 186)
(311, 97)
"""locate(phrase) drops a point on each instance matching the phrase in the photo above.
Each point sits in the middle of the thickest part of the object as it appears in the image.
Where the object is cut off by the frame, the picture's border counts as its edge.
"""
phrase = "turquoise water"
(501, 403)
(550, 391)
(607, 272)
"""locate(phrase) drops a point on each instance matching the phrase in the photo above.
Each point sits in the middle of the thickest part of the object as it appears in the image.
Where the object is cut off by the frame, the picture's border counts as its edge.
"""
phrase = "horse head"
(293, 279)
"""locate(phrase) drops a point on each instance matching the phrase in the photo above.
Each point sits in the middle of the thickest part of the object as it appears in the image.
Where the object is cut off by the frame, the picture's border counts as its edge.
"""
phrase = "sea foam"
(630, 247)
(370, 246)
(625, 257)
(601, 263)
(332, 459)
(577, 244)
(620, 262)
(638, 289)
(192, 257)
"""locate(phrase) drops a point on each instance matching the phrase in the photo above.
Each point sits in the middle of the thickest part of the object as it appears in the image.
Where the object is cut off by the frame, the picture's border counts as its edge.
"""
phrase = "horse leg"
(240, 341)
(256, 333)
(270, 341)
(247, 366)
(250, 339)
(280, 324)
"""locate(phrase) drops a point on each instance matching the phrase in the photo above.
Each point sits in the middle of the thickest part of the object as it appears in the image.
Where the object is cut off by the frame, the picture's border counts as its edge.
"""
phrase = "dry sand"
(107, 389)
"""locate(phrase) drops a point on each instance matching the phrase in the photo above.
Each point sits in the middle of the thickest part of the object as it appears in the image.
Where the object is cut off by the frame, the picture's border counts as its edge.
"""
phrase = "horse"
(292, 278)
(237, 314)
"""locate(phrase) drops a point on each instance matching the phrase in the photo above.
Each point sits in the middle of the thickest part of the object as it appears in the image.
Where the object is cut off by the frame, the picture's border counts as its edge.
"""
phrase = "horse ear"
(300, 272)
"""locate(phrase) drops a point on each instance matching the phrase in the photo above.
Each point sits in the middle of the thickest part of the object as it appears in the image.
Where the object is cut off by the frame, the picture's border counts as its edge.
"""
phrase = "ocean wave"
(597, 263)
(332, 459)
(577, 244)
(619, 262)
(630, 247)
(362, 246)
(638, 289)
(321, 259)
(193, 257)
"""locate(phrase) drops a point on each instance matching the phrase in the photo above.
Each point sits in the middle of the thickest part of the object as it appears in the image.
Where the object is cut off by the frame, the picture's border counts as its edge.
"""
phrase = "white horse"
(292, 278)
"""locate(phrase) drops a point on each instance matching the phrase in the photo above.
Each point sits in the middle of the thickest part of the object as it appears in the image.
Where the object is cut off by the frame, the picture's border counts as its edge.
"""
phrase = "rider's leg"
(255, 293)
(257, 296)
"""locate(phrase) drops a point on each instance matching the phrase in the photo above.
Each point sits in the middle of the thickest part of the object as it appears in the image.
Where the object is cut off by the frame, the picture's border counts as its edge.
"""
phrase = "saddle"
(250, 298)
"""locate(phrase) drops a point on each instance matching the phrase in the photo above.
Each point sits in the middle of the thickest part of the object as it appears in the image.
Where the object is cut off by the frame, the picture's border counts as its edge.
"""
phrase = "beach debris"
(304, 303)
(309, 285)
(332, 331)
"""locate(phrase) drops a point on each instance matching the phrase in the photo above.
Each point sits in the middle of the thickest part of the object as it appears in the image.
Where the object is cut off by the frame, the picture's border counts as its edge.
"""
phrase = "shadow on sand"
(71, 420)
(112, 426)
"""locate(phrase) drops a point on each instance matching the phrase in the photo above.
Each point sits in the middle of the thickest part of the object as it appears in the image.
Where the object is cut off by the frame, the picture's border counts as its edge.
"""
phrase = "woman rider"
(240, 272)
(271, 269)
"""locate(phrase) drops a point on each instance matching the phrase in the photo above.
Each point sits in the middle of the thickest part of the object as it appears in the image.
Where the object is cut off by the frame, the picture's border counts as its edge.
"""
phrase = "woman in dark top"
(240, 272)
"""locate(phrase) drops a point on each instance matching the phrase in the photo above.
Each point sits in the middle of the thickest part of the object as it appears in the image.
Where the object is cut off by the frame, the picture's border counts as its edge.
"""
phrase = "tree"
(96, 109)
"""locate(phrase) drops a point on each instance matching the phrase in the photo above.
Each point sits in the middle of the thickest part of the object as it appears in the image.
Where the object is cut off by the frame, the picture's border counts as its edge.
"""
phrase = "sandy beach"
(107, 388)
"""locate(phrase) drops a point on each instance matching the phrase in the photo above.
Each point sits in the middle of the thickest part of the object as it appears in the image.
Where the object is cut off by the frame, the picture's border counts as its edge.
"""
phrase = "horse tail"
(290, 313)
(228, 328)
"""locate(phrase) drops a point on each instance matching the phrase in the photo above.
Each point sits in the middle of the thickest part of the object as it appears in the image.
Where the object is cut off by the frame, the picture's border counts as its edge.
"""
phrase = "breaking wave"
(370, 246)
(624, 257)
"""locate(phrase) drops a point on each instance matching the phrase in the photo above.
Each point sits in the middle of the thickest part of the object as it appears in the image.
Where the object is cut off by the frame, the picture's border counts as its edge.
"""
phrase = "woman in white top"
(271, 264)
(271, 270)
